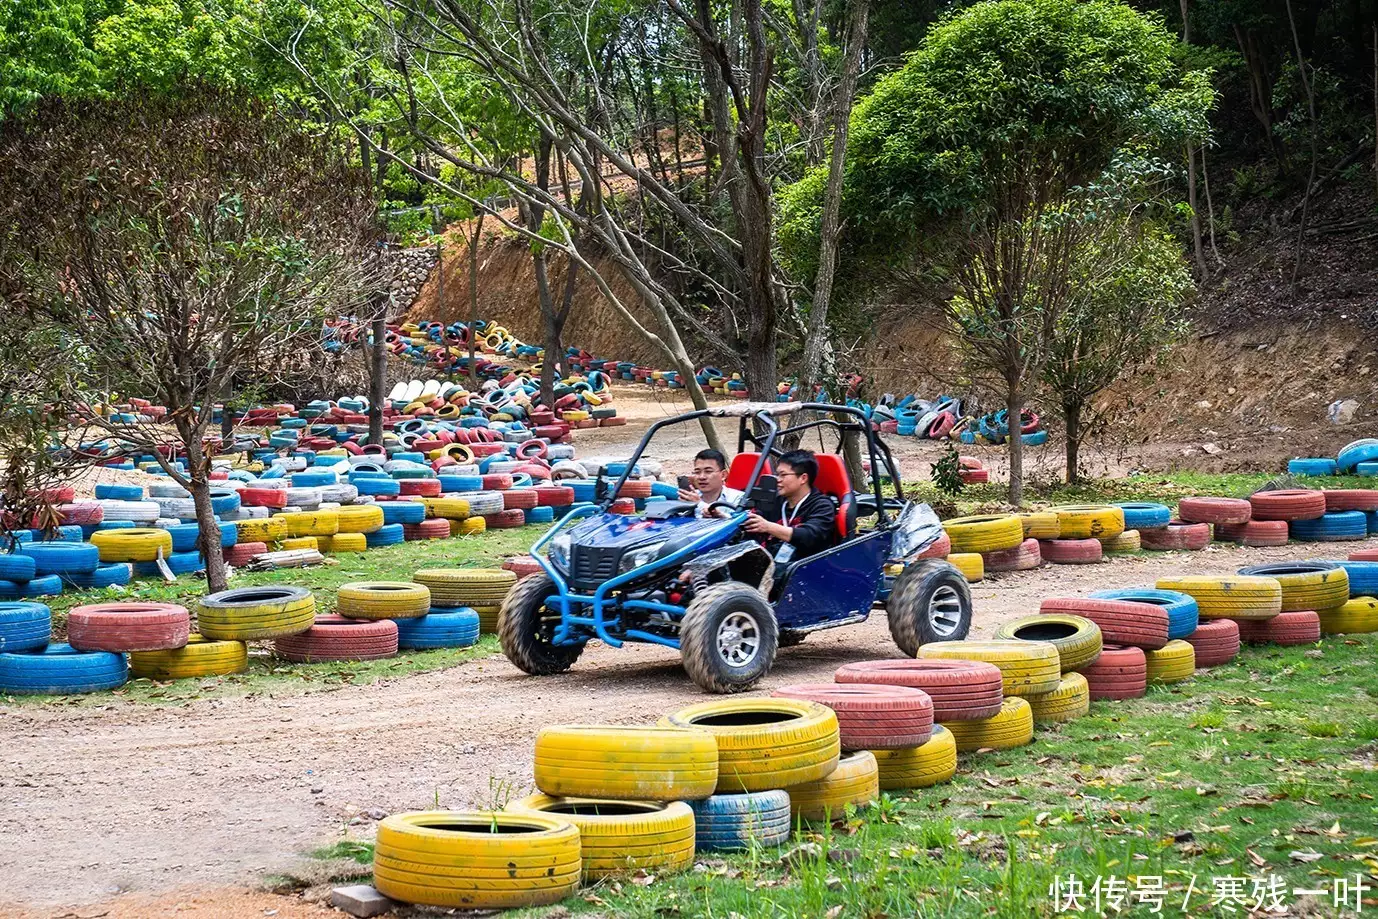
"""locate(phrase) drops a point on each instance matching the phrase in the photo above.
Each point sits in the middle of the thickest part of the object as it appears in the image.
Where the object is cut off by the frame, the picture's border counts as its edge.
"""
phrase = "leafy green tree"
(987, 154)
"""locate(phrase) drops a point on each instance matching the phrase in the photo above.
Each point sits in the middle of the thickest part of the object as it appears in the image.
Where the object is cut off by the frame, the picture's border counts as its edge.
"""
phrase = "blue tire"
(540, 515)
(224, 500)
(1311, 466)
(402, 511)
(583, 491)
(440, 628)
(115, 525)
(114, 575)
(184, 537)
(460, 483)
(1142, 515)
(1335, 526)
(1363, 577)
(1360, 451)
(1036, 439)
(1368, 467)
(24, 627)
(734, 822)
(371, 485)
(314, 479)
(48, 585)
(17, 568)
(1183, 615)
(389, 534)
(61, 557)
(62, 669)
(229, 535)
(178, 563)
(119, 492)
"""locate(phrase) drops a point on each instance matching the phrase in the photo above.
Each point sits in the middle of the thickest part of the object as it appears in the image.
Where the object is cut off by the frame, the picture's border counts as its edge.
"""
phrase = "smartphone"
(685, 484)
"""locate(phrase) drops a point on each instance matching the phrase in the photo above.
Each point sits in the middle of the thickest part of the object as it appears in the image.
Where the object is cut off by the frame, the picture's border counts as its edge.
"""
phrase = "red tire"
(80, 513)
(974, 476)
(1364, 555)
(522, 566)
(434, 528)
(426, 488)
(1193, 537)
(497, 481)
(635, 488)
(1119, 673)
(1351, 499)
(1071, 551)
(554, 495)
(622, 506)
(871, 716)
(263, 497)
(123, 627)
(1216, 642)
(1023, 557)
(959, 690)
(1302, 627)
(241, 553)
(520, 498)
(505, 520)
(1214, 510)
(940, 548)
(335, 638)
(969, 462)
(1256, 533)
(1122, 622)
(532, 448)
(1288, 504)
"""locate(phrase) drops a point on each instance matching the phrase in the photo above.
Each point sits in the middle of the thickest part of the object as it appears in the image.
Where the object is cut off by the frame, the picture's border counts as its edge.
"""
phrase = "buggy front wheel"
(526, 628)
(930, 602)
(728, 638)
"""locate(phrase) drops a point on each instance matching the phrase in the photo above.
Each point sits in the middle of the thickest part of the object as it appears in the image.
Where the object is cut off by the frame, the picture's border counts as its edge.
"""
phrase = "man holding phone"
(706, 486)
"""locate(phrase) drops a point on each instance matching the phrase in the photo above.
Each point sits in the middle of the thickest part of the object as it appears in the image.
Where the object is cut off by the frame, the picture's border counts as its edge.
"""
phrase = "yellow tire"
(1089, 521)
(382, 600)
(1011, 727)
(1040, 525)
(575, 415)
(855, 781)
(970, 564)
(200, 657)
(474, 587)
(1128, 541)
(617, 837)
(783, 742)
(984, 534)
(640, 763)
(1304, 587)
(269, 529)
(1358, 615)
(256, 612)
(1070, 700)
(360, 518)
(488, 619)
(135, 544)
(919, 767)
(312, 523)
(303, 542)
(470, 527)
(1237, 596)
(1172, 663)
(1078, 640)
(476, 859)
(447, 508)
(1029, 668)
(348, 542)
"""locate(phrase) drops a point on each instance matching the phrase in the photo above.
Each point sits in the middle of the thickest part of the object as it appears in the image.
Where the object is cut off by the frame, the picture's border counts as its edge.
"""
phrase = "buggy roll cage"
(764, 414)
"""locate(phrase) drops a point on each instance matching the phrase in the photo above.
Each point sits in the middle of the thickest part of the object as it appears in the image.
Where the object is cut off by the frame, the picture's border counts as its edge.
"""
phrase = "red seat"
(833, 480)
(739, 471)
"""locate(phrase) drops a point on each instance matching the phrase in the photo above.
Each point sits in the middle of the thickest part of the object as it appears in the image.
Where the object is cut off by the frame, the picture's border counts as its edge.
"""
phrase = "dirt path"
(134, 800)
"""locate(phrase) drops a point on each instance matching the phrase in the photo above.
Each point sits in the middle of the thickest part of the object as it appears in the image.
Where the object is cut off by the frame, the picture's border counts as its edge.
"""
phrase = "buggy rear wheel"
(526, 629)
(728, 638)
(931, 601)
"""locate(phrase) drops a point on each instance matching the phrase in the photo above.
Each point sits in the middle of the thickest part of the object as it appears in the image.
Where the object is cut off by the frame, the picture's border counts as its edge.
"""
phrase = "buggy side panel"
(835, 584)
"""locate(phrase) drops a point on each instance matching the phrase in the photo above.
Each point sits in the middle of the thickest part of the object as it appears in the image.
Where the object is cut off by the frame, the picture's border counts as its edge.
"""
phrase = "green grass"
(1229, 774)
(267, 674)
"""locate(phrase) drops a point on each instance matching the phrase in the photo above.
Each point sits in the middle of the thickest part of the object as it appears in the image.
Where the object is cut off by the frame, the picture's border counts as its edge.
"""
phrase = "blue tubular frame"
(599, 601)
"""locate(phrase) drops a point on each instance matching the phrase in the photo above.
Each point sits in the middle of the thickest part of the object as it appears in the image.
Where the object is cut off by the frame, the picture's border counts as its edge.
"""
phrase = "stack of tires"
(479, 591)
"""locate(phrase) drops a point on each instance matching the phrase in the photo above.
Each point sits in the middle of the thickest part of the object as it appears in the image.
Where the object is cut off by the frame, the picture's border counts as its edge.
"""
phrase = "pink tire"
(1192, 537)
(1024, 557)
(1071, 551)
(123, 627)
(1214, 510)
(1216, 642)
(334, 638)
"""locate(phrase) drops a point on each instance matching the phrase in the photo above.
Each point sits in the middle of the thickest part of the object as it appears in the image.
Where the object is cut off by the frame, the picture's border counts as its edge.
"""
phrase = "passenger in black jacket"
(805, 521)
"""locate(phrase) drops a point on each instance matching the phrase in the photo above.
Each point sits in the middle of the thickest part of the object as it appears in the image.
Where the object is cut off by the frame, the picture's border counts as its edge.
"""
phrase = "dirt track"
(142, 800)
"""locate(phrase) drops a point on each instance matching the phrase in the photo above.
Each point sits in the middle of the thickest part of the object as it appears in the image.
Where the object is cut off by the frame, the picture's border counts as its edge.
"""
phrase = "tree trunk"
(1198, 250)
(1014, 407)
(1071, 417)
(377, 381)
(198, 472)
(548, 323)
(227, 413)
(473, 298)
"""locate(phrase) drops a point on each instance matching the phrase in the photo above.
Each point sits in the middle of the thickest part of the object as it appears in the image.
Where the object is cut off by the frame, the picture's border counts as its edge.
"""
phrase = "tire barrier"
(1214, 510)
(60, 668)
(733, 823)
(765, 744)
(984, 534)
(1177, 535)
(1307, 585)
(1122, 622)
(640, 763)
(1012, 727)
(1172, 663)
(1231, 597)
(1071, 551)
(1140, 515)
(1182, 611)
(123, 627)
(1024, 557)
(382, 600)
(1069, 701)
(1028, 668)
(1077, 639)
(439, 628)
(1295, 627)
(971, 564)
(1216, 642)
(248, 613)
(919, 767)
(1089, 521)
(335, 638)
(200, 657)
(24, 626)
(1120, 672)
(855, 782)
(620, 837)
(959, 690)
(871, 716)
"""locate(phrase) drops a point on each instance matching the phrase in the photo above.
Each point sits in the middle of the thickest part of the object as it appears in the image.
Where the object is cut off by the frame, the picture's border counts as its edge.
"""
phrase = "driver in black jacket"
(805, 522)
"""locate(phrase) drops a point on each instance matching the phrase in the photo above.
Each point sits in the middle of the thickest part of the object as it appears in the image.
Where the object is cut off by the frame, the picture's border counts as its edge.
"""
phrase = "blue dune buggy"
(705, 586)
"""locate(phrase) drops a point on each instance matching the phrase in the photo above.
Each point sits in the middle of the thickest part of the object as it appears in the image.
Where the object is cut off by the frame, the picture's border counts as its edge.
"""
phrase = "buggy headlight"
(558, 551)
(639, 557)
